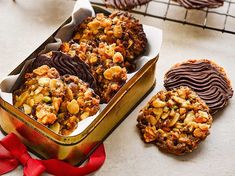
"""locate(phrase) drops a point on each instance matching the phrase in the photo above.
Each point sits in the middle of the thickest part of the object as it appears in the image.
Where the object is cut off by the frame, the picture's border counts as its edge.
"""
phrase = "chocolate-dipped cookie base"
(66, 64)
(206, 78)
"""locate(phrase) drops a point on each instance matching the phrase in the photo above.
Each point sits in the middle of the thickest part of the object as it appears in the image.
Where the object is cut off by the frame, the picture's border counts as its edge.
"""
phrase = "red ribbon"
(13, 153)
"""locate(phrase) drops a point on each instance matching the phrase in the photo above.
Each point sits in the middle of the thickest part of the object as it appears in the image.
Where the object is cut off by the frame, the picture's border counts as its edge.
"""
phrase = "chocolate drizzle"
(125, 4)
(66, 65)
(200, 4)
(205, 78)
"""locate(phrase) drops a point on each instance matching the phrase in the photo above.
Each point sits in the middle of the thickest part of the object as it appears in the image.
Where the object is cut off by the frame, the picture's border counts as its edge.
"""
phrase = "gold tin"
(76, 149)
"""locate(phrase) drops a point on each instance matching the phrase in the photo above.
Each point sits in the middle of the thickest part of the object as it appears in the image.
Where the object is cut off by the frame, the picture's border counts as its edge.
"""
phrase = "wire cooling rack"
(219, 19)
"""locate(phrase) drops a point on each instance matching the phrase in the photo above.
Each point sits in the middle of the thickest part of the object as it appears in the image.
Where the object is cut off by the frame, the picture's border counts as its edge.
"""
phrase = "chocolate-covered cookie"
(66, 64)
(125, 4)
(200, 4)
(176, 121)
(206, 78)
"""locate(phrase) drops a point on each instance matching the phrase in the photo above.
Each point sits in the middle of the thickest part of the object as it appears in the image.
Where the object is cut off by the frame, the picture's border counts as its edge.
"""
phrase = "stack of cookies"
(110, 45)
(177, 120)
(61, 88)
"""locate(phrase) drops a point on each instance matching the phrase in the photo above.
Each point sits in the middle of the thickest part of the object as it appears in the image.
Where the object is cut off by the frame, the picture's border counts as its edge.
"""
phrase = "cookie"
(58, 102)
(106, 65)
(66, 64)
(119, 28)
(125, 4)
(176, 121)
(206, 78)
(200, 4)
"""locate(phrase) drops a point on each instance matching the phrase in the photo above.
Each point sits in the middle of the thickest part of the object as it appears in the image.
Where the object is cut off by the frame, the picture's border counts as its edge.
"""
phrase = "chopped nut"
(31, 102)
(47, 119)
(174, 120)
(43, 81)
(170, 102)
(165, 109)
(117, 31)
(152, 119)
(73, 107)
(198, 133)
(27, 109)
(47, 99)
(189, 117)
(203, 114)
(158, 111)
(117, 57)
(172, 113)
(182, 111)
(41, 113)
(111, 72)
(182, 93)
(158, 103)
(84, 115)
(178, 99)
(41, 70)
(165, 115)
(186, 104)
(53, 84)
(21, 99)
(200, 120)
(204, 127)
(70, 93)
(93, 59)
(56, 103)
(38, 98)
(149, 134)
(55, 127)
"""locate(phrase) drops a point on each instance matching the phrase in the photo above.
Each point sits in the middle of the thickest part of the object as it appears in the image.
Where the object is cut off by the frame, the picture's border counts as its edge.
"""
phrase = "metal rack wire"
(221, 19)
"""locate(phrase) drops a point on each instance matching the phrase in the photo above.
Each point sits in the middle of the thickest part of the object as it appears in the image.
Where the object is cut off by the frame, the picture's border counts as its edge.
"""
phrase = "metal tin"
(76, 149)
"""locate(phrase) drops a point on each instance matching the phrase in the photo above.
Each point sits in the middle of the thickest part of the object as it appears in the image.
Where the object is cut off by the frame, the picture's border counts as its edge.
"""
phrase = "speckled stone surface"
(26, 24)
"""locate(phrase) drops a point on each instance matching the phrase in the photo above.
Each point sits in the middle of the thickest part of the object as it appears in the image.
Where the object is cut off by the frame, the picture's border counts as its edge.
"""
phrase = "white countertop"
(27, 23)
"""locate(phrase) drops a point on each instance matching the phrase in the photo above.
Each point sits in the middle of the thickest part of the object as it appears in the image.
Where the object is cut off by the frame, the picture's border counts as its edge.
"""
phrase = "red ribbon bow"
(13, 153)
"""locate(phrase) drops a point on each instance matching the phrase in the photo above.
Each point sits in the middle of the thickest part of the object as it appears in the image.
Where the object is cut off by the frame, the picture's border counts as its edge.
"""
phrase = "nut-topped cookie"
(119, 28)
(206, 78)
(176, 121)
(58, 102)
(106, 65)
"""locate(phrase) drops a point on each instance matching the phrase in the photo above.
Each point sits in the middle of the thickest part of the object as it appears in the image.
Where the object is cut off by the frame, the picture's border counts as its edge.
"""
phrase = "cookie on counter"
(206, 78)
(58, 102)
(125, 5)
(119, 28)
(106, 65)
(176, 121)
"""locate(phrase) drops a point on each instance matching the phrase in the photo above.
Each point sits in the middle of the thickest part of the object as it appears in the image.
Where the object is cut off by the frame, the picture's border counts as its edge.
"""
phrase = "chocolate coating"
(207, 79)
(200, 4)
(66, 64)
(125, 4)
